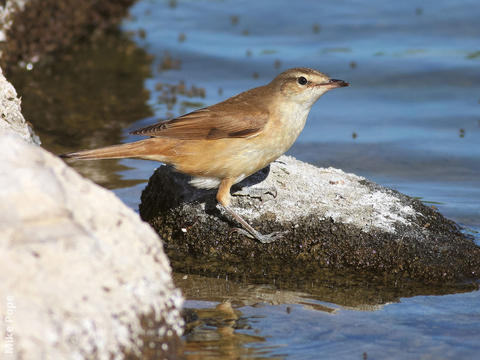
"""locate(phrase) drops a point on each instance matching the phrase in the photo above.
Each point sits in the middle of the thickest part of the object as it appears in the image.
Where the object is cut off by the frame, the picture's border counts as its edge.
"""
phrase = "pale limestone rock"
(11, 118)
(77, 266)
(343, 197)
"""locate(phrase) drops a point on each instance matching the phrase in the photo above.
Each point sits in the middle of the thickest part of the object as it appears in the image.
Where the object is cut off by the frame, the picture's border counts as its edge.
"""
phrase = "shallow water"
(410, 121)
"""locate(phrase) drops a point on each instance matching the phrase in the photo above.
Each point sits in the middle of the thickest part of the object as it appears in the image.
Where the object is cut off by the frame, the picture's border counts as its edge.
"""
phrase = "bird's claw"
(264, 239)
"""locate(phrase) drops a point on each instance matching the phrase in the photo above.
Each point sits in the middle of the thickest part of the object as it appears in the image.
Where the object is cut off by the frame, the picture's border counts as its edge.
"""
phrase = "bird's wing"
(234, 118)
(208, 124)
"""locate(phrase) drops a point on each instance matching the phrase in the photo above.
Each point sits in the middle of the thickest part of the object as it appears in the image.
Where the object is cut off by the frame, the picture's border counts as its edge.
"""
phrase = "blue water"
(410, 121)
(424, 327)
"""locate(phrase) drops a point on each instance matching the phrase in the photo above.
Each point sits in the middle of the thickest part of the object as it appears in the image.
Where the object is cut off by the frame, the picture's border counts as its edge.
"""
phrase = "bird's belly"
(235, 158)
(226, 158)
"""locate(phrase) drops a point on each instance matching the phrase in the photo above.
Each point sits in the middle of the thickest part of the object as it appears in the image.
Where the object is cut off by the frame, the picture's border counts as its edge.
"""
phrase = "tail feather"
(138, 149)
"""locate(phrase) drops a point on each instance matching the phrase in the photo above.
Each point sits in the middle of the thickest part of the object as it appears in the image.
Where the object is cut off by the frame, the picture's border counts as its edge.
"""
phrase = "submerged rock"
(332, 220)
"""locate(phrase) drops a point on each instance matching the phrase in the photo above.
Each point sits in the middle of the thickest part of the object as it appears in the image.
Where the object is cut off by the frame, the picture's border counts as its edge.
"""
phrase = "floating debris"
(337, 50)
(184, 105)
(473, 55)
(234, 19)
(277, 64)
(169, 93)
(168, 63)
(316, 28)
(192, 104)
(168, 99)
(268, 51)
(182, 37)
(353, 64)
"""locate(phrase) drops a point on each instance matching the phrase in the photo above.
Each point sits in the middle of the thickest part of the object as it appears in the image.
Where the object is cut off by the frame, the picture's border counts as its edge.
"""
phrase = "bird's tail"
(145, 149)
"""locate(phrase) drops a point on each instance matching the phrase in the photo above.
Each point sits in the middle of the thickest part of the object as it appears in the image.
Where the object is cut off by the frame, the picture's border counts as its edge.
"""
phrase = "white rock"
(77, 266)
(343, 197)
(11, 118)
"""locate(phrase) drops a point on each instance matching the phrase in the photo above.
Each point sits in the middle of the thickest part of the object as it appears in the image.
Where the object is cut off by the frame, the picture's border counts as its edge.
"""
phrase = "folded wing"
(234, 118)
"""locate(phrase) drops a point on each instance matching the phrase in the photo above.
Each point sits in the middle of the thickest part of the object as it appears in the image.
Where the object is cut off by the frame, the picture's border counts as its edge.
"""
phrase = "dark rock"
(333, 220)
(36, 28)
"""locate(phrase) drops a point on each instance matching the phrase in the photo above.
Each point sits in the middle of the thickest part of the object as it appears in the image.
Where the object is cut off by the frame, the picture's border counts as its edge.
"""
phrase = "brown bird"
(222, 144)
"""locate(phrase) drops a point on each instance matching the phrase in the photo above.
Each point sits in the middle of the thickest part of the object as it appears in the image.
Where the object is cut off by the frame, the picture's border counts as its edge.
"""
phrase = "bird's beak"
(334, 83)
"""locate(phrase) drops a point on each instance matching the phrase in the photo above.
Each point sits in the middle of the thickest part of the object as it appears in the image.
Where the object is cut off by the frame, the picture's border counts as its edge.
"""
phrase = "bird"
(222, 144)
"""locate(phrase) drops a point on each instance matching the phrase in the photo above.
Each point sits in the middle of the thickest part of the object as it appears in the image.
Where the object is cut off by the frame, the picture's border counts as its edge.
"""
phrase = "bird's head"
(304, 85)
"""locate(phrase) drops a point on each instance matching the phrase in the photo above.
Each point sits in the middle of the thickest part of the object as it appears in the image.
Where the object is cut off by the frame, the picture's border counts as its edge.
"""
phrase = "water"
(411, 118)
(410, 121)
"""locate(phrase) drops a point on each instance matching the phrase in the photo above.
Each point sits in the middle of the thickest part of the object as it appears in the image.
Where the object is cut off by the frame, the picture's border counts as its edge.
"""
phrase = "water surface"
(410, 121)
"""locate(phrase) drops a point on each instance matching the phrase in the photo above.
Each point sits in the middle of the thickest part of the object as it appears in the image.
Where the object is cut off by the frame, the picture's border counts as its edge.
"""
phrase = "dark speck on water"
(414, 100)
(234, 19)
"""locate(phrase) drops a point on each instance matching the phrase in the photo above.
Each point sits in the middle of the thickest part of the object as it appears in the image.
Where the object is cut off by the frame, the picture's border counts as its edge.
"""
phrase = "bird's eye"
(302, 81)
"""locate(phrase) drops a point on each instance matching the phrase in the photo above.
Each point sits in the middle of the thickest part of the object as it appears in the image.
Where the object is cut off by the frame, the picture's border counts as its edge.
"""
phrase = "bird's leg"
(223, 197)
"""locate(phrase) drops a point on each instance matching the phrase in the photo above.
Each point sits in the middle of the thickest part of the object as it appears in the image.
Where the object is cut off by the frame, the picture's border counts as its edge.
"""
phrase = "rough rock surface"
(81, 276)
(332, 220)
(11, 118)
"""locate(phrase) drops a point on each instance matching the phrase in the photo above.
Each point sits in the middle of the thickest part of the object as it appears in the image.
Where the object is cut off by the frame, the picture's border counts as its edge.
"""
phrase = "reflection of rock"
(75, 104)
(11, 118)
(215, 331)
(333, 220)
(351, 292)
(34, 28)
(81, 276)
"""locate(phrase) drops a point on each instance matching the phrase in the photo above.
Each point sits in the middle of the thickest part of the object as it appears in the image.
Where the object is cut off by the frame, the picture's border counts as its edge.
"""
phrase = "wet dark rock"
(35, 28)
(333, 220)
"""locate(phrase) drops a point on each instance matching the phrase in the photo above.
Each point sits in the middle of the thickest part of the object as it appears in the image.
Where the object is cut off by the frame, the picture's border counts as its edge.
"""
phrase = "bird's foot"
(258, 193)
(264, 239)
(249, 231)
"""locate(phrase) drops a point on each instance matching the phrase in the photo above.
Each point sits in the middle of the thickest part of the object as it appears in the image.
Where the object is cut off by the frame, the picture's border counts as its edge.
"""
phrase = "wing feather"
(236, 117)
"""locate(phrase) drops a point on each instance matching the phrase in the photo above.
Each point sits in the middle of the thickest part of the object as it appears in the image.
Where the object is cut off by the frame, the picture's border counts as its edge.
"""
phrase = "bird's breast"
(286, 124)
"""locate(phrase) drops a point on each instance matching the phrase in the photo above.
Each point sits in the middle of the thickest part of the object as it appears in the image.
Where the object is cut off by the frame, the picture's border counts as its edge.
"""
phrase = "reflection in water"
(86, 98)
(231, 330)
(319, 293)
(223, 333)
